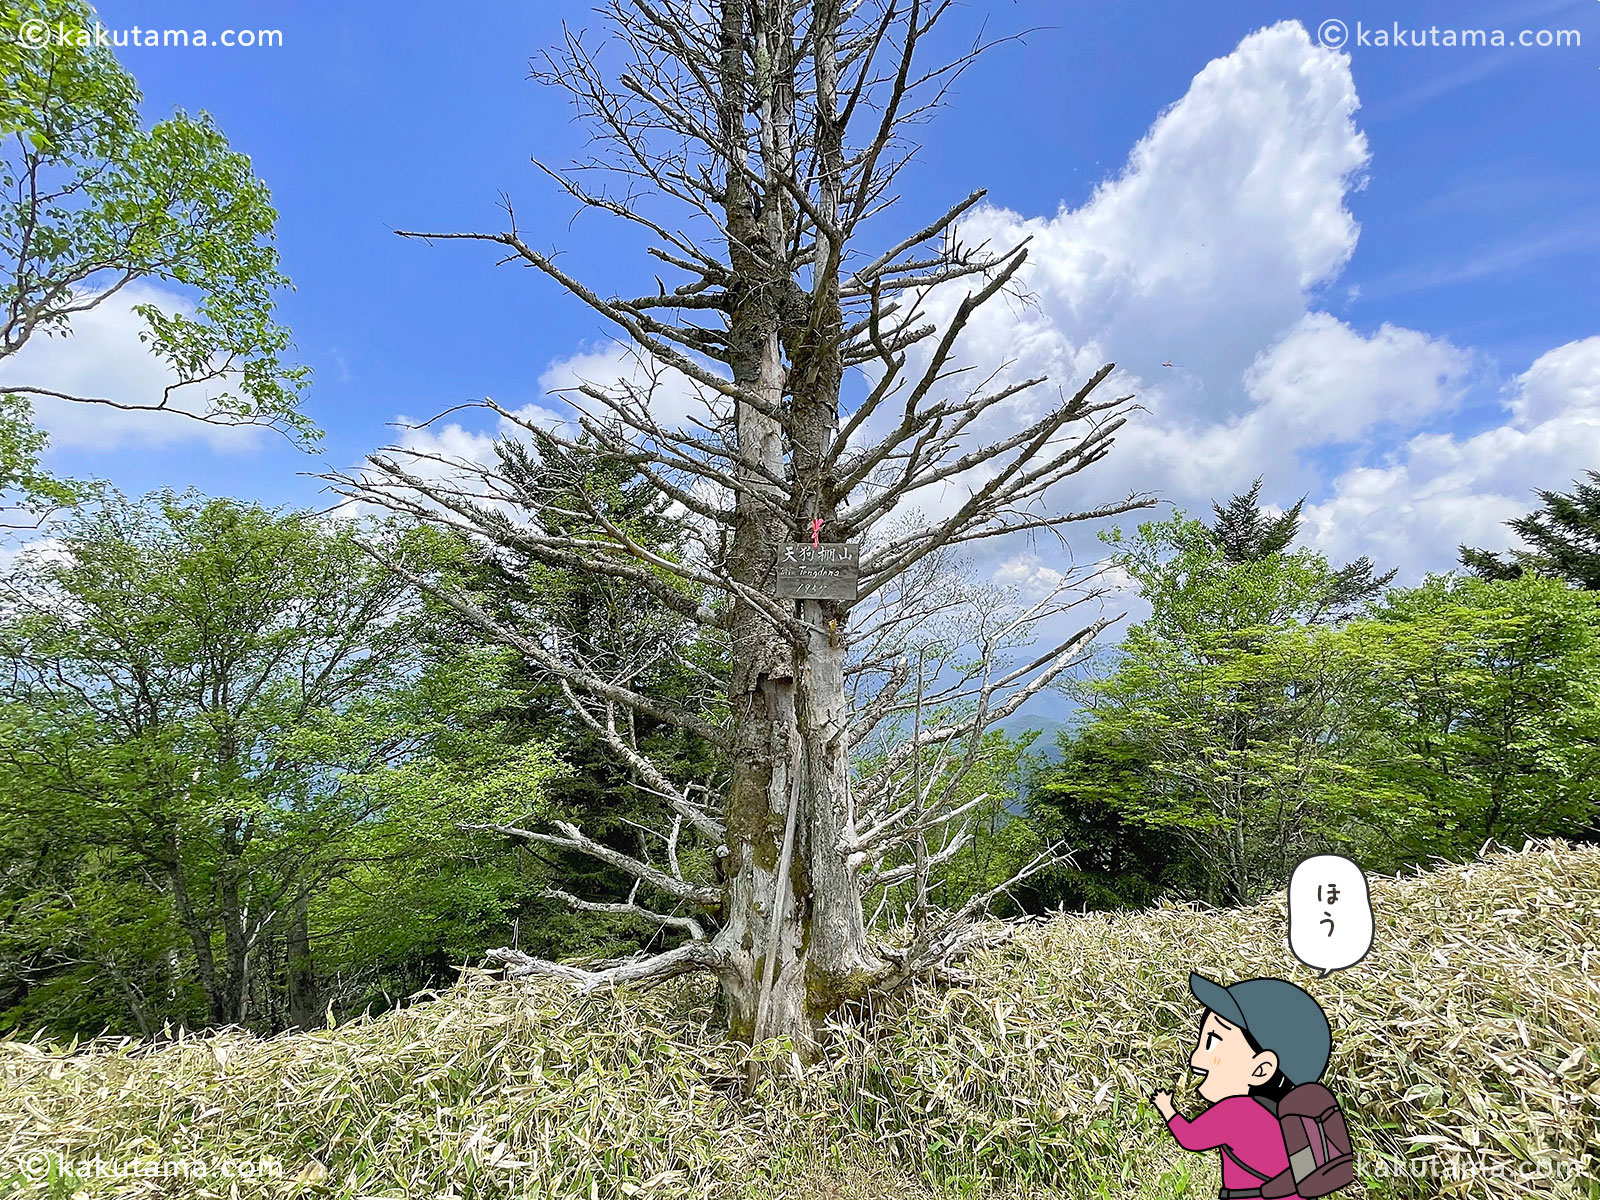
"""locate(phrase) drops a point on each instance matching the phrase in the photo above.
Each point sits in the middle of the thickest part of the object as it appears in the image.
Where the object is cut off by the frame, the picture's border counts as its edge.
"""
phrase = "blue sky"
(1381, 289)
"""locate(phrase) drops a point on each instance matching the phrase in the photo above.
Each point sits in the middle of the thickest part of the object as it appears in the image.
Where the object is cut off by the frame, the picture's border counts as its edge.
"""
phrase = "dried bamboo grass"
(1467, 1051)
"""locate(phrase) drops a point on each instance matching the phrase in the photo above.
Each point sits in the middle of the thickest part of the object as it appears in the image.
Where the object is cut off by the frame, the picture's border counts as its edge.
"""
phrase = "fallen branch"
(687, 959)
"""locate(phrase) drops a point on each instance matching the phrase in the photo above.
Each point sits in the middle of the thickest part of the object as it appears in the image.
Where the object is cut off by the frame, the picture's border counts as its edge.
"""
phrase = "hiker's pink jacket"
(1246, 1128)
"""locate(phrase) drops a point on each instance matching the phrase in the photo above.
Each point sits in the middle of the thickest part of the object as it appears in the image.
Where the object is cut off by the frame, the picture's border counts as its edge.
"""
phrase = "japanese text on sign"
(825, 571)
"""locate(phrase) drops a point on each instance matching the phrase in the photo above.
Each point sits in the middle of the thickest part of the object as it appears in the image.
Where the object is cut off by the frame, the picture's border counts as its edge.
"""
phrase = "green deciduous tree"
(235, 707)
(1483, 708)
(91, 201)
(1229, 696)
(1098, 799)
(23, 477)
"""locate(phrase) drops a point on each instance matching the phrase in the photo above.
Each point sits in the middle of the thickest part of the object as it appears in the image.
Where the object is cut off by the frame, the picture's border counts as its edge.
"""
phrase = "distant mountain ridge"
(1045, 744)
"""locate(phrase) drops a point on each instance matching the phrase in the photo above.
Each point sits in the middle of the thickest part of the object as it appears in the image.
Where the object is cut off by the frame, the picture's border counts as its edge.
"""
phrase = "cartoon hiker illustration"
(1263, 1045)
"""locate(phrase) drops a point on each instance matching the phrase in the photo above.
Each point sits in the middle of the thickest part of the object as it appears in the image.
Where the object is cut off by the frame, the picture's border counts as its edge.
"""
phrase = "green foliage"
(1240, 729)
(1227, 696)
(616, 629)
(1097, 801)
(1201, 588)
(1481, 709)
(91, 201)
(269, 733)
(237, 708)
(22, 476)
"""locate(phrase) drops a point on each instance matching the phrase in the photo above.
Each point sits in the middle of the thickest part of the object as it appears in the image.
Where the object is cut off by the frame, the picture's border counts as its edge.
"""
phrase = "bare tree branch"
(753, 143)
(570, 837)
(628, 908)
(689, 958)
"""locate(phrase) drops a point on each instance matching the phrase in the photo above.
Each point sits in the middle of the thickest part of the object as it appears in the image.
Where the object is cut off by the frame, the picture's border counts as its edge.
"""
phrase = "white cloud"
(450, 454)
(457, 444)
(1209, 251)
(671, 397)
(1229, 212)
(1202, 252)
(1029, 575)
(451, 450)
(450, 446)
(103, 357)
(1564, 382)
(1440, 490)
(1325, 383)
(1322, 385)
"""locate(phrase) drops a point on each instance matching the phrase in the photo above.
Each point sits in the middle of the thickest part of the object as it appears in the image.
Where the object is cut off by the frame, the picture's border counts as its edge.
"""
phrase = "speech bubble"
(1330, 913)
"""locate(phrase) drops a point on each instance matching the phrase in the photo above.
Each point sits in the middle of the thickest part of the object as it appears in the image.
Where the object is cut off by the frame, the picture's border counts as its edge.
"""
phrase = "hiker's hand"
(1163, 1102)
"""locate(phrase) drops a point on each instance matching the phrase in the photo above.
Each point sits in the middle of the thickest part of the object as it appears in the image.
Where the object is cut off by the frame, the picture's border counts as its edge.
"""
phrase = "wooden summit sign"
(819, 570)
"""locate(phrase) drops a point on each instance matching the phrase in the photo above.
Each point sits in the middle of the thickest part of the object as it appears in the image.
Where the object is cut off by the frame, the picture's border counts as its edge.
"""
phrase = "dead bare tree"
(752, 141)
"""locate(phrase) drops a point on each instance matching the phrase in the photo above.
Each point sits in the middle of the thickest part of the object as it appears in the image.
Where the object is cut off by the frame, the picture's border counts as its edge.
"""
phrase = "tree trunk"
(841, 963)
(793, 925)
(199, 933)
(789, 898)
(304, 1009)
(235, 939)
(797, 905)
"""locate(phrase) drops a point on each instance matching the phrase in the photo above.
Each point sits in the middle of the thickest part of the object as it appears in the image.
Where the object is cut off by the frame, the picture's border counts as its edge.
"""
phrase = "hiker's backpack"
(1314, 1133)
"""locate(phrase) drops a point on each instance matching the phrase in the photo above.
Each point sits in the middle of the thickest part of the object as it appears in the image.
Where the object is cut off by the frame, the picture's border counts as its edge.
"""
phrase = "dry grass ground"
(1467, 1054)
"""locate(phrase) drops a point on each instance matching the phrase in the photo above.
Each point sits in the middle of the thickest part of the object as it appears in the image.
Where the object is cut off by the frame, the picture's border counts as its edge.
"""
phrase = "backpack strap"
(1242, 1165)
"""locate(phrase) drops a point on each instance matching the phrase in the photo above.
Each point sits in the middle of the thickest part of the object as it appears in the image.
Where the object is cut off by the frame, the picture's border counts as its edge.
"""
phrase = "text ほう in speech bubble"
(1330, 913)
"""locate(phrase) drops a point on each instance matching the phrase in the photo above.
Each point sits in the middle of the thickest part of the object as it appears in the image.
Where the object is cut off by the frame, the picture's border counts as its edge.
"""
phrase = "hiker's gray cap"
(1281, 1017)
